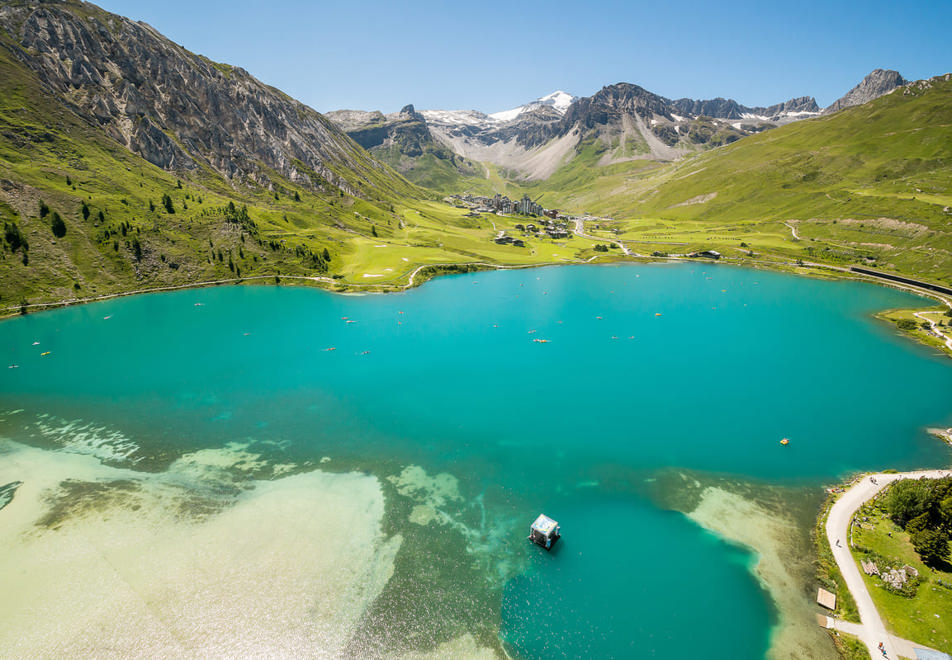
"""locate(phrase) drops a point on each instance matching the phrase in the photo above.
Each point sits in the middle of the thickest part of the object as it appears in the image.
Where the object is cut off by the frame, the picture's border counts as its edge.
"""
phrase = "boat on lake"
(545, 532)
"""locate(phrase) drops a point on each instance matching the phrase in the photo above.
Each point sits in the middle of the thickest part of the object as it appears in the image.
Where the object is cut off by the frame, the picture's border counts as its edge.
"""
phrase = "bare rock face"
(876, 84)
(398, 138)
(176, 109)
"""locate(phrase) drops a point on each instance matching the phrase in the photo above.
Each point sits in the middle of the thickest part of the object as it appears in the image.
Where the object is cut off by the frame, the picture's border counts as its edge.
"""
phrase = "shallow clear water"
(646, 368)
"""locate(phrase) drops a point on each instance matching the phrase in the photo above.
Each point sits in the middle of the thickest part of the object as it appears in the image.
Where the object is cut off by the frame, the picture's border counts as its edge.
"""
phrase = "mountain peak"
(557, 100)
(877, 83)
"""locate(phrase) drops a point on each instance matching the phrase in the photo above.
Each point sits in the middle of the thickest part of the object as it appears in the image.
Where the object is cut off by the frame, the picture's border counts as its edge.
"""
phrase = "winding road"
(872, 630)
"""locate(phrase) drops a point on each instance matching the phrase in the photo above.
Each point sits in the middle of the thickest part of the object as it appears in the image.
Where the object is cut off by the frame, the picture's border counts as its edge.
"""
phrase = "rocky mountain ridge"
(178, 110)
(877, 83)
(404, 141)
(624, 121)
(534, 139)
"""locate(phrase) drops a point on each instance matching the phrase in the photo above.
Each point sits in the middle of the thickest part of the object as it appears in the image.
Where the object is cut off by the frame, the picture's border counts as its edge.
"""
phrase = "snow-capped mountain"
(558, 100)
(622, 122)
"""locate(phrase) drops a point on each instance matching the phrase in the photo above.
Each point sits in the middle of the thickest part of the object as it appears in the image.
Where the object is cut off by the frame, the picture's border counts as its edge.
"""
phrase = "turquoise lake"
(647, 369)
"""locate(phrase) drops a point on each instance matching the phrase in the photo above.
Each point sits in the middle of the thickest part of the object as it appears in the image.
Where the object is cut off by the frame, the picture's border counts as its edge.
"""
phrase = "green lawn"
(925, 618)
(908, 324)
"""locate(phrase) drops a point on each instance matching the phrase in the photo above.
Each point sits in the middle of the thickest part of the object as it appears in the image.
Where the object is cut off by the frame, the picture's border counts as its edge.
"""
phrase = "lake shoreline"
(811, 271)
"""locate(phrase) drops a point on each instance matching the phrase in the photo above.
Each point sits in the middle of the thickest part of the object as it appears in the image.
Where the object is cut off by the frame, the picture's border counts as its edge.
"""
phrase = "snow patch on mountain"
(458, 117)
(558, 100)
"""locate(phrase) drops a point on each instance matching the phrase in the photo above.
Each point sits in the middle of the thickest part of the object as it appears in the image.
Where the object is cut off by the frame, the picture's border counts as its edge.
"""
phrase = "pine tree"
(57, 225)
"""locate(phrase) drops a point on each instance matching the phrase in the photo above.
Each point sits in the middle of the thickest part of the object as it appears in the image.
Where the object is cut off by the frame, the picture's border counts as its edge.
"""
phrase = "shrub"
(57, 225)
(932, 546)
(14, 238)
(908, 499)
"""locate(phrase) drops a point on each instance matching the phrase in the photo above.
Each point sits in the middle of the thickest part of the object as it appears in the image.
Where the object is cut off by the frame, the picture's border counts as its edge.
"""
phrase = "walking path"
(872, 630)
(793, 230)
(935, 327)
(904, 647)
(580, 232)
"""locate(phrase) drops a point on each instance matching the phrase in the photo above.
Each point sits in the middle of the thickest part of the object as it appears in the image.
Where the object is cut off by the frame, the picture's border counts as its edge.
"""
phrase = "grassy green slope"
(50, 156)
(436, 168)
(866, 185)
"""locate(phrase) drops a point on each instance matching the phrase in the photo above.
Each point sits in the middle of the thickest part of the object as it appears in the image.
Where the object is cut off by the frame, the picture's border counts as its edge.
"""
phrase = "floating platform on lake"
(545, 532)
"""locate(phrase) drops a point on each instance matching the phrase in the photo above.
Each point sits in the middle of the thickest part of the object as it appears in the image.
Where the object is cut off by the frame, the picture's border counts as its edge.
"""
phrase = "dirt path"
(580, 232)
(793, 230)
(872, 630)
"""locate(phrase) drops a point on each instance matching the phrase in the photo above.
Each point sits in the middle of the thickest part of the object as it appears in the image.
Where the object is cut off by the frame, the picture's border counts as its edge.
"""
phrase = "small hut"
(544, 532)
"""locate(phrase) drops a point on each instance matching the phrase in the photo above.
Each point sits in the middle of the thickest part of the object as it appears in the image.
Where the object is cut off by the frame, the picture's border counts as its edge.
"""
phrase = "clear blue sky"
(492, 55)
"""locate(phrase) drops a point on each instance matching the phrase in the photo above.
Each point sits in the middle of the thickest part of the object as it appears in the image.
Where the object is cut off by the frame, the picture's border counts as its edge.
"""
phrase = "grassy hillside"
(84, 217)
(869, 184)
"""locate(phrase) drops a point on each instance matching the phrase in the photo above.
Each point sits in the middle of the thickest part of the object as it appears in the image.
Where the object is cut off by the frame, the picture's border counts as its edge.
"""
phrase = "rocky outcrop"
(802, 105)
(876, 84)
(400, 139)
(612, 103)
(719, 107)
(179, 110)
(406, 129)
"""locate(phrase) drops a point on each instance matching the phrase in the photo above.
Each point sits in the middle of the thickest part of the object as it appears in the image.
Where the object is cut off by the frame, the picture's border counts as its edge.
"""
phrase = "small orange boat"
(785, 441)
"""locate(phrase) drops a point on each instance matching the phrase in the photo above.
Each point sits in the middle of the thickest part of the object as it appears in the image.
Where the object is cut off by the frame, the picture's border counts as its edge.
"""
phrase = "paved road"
(935, 327)
(904, 647)
(872, 630)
